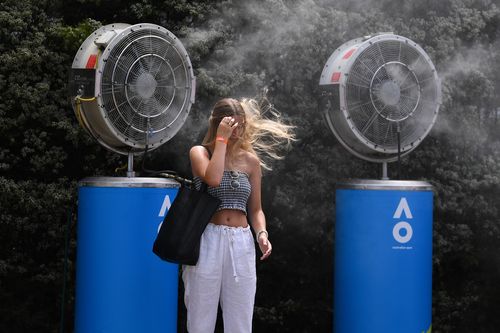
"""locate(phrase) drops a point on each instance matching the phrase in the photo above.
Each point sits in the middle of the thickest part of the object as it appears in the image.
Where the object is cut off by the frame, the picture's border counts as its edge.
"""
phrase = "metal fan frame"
(341, 61)
(94, 115)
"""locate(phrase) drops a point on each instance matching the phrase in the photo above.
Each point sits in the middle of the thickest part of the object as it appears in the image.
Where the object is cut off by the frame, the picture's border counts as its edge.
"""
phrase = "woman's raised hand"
(226, 127)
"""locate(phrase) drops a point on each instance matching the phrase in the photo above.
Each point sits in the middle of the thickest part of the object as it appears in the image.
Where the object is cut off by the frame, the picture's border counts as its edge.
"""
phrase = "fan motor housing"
(142, 89)
(375, 86)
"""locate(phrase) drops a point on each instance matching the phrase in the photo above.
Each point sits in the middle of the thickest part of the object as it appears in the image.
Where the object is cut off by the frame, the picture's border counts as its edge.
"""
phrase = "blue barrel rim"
(142, 182)
(377, 184)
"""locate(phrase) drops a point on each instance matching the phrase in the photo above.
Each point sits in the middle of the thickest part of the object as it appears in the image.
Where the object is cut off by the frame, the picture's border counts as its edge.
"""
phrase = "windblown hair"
(261, 136)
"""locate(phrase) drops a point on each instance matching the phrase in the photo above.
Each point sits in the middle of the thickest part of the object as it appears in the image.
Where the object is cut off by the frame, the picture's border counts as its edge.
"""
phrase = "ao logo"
(166, 205)
(403, 225)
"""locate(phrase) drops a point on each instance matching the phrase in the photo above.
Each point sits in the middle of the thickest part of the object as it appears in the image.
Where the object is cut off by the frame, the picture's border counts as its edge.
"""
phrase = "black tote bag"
(178, 240)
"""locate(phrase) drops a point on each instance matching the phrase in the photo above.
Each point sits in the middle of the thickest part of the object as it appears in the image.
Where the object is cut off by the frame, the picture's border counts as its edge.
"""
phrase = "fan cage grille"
(390, 84)
(146, 85)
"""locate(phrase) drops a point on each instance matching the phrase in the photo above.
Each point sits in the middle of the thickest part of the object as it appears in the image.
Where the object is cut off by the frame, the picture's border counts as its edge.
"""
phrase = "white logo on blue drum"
(402, 231)
(403, 207)
(165, 206)
(396, 232)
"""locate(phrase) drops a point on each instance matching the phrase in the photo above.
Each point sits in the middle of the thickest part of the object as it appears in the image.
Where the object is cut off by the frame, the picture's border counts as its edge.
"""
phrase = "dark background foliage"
(240, 48)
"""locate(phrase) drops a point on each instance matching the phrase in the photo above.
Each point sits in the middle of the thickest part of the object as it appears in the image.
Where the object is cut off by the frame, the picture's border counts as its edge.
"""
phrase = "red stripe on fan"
(91, 62)
(336, 77)
(349, 53)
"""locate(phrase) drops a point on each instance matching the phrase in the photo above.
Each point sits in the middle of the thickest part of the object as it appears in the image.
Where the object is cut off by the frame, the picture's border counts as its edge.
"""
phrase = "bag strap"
(209, 152)
(184, 181)
(175, 176)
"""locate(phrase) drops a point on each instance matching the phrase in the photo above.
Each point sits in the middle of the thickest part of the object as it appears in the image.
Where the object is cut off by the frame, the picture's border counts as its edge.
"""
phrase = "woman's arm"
(211, 170)
(256, 215)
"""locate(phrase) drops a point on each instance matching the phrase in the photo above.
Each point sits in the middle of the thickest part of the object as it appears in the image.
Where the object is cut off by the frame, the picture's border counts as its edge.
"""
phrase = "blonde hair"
(261, 136)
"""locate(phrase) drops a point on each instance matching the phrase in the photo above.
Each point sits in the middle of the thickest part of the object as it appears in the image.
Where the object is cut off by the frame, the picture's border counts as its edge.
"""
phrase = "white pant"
(225, 271)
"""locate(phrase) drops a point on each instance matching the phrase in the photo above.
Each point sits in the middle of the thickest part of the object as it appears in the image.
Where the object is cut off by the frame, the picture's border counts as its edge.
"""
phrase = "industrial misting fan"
(131, 87)
(380, 96)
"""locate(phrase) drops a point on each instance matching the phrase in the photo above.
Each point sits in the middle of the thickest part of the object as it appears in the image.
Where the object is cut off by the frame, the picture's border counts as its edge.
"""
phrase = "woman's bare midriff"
(230, 217)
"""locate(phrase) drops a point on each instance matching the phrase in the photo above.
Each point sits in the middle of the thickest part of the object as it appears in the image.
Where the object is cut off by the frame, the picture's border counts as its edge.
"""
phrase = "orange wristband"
(221, 139)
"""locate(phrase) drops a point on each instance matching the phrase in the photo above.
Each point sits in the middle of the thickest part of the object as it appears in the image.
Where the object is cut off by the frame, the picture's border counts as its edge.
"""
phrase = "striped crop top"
(233, 191)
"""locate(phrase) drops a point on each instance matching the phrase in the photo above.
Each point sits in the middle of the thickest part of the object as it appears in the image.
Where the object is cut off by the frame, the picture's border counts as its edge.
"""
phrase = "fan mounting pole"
(130, 170)
(384, 171)
(399, 149)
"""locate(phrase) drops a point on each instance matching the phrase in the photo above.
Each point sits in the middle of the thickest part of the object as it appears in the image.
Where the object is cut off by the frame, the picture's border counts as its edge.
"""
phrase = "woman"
(228, 162)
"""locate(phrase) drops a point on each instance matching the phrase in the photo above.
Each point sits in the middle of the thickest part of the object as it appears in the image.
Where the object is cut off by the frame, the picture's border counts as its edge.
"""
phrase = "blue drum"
(121, 285)
(383, 257)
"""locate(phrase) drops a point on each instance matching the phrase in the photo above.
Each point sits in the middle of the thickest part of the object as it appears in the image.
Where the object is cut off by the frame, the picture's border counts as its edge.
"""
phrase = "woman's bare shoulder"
(252, 162)
(198, 150)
